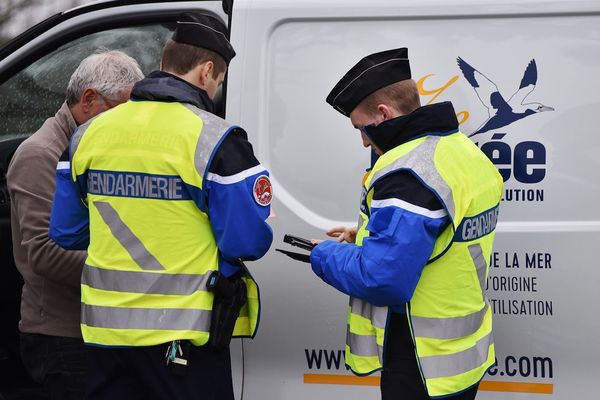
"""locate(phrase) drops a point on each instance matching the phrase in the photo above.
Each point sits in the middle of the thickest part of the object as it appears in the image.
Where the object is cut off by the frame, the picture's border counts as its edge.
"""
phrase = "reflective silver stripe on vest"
(448, 328)
(457, 363)
(127, 238)
(363, 201)
(421, 161)
(363, 345)
(377, 315)
(145, 318)
(480, 264)
(456, 327)
(213, 129)
(143, 282)
(361, 221)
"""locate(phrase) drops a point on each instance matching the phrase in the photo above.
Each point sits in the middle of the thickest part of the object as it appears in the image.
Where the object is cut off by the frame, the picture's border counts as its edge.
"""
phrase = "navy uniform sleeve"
(69, 218)
(406, 219)
(238, 196)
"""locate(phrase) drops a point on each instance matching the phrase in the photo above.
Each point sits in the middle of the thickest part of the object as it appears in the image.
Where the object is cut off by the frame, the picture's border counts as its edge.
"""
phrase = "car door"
(34, 71)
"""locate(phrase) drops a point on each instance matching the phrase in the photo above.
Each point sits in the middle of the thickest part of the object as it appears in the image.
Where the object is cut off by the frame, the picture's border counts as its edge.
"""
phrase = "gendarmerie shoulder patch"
(263, 190)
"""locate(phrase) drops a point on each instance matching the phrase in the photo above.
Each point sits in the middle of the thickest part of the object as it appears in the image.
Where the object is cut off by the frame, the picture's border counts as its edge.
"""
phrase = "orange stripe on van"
(519, 387)
(488, 386)
(330, 379)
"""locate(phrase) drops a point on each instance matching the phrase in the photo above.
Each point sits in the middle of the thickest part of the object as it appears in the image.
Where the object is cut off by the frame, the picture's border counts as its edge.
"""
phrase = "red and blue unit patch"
(263, 190)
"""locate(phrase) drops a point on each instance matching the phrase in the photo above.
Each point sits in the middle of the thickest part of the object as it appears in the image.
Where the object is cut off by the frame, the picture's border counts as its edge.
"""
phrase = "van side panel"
(542, 58)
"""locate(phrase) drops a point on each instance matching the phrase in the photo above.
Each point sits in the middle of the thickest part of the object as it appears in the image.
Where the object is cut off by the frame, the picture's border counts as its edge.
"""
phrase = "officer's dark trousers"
(400, 378)
(57, 363)
(142, 373)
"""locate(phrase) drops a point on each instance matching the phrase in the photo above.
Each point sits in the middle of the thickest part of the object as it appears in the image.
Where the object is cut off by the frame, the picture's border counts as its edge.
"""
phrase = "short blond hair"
(402, 95)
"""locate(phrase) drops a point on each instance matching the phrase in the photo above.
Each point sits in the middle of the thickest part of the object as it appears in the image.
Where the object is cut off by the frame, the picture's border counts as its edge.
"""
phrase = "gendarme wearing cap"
(198, 54)
(416, 276)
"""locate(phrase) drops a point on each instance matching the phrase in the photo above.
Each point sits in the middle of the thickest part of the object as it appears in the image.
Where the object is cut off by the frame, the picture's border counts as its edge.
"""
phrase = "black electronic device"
(299, 242)
(296, 241)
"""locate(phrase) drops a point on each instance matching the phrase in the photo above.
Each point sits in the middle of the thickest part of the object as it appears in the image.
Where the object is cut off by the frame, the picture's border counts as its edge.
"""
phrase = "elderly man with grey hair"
(51, 344)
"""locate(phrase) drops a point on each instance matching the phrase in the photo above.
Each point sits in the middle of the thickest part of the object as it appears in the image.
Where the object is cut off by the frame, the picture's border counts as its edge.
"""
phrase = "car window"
(37, 92)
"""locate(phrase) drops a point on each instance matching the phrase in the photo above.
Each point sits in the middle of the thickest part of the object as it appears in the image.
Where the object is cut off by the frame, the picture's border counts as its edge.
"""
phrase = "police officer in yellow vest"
(415, 269)
(169, 199)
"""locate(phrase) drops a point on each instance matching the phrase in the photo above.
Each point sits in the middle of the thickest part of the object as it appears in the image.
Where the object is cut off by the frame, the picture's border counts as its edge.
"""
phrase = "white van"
(544, 281)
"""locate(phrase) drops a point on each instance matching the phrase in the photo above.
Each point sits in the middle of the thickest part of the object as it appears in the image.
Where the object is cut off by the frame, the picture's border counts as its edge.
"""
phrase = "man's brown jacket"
(50, 303)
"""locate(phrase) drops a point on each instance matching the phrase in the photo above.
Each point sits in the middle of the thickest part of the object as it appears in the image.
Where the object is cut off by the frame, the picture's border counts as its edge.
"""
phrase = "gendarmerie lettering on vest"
(124, 184)
(477, 226)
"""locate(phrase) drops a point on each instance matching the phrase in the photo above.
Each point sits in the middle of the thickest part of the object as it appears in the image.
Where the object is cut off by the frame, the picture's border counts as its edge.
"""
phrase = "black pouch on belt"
(230, 297)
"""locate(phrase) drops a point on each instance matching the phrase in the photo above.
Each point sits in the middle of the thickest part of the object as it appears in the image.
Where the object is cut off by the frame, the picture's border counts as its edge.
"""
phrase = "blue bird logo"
(500, 111)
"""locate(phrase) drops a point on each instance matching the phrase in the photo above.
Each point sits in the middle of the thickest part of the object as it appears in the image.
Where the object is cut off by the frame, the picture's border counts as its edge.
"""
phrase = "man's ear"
(206, 71)
(87, 98)
(388, 112)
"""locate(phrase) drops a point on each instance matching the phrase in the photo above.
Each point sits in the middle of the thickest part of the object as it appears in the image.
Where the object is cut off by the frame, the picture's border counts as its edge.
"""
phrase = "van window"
(37, 92)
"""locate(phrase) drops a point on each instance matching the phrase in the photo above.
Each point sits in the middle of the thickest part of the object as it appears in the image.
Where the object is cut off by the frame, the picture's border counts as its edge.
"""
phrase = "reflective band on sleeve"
(448, 328)
(63, 165)
(393, 202)
(213, 129)
(143, 282)
(421, 161)
(127, 238)
(477, 255)
(145, 318)
(240, 176)
(457, 363)
(377, 315)
(363, 345)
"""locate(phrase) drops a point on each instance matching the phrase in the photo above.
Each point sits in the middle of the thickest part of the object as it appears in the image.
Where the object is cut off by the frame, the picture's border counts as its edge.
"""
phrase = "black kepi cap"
(370, 74)
(204, 31)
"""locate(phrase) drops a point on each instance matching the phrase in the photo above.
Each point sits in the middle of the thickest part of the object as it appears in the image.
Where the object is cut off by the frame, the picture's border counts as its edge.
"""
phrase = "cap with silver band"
(372, 73)
(204, 31)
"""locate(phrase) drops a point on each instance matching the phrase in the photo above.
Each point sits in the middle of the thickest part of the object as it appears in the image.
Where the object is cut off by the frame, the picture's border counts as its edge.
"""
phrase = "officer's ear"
(205, 71)
(387, 111)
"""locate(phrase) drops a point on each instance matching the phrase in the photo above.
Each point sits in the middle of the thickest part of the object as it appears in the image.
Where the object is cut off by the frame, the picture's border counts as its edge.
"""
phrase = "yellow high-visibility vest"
(449, 315)
(151, 247)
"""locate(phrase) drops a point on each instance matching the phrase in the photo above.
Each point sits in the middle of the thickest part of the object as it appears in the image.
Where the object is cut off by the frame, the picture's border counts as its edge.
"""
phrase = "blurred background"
(17, 16)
